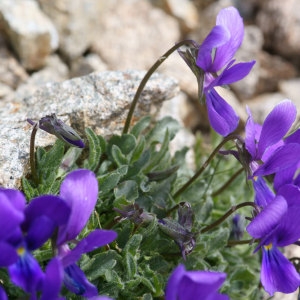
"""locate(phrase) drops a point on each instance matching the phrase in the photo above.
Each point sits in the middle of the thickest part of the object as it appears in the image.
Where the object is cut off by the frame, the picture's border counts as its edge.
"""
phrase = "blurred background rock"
(43, 41)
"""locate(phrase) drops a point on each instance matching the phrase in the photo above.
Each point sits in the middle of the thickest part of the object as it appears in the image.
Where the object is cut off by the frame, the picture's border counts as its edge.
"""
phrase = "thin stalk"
(204, 166)
(227, 183)
(146, 78)
(226, 215)
(32, 155)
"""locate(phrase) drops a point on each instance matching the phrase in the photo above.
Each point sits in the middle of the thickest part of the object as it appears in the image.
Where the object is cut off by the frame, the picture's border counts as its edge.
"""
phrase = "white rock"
(31, 33)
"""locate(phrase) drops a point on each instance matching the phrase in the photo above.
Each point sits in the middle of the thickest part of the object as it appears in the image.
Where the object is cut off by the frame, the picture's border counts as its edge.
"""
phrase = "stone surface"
(291, 89)
(86, 65)
(30, 32)
(99, 100)
(55, 70)
(76, 23)
(136, 36)
(249, 50)
(273, 69)
(11, 72)
(280, 23)
(184, 11)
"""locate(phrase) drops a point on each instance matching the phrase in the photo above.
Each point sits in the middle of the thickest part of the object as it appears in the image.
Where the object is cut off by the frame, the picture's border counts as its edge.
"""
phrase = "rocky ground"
(47, 46)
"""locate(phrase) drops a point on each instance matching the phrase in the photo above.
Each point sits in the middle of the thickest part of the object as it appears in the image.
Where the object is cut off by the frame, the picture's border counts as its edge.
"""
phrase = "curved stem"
(32, 156)
(226, 215)
(204, 166)
(227, 183)
(146, 78)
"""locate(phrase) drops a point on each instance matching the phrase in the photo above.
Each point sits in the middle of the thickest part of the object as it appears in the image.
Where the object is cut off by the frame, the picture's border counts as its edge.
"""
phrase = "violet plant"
(124, 218)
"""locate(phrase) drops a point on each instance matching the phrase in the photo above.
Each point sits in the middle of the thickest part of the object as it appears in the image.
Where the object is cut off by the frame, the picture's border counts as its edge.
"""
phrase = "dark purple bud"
(135, 214)
(182, 237)
(238, 228)
(57, 127)
(185, 215)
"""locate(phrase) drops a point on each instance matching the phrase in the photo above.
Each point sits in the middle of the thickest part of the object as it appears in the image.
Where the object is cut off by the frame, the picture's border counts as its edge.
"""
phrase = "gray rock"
(280, 23)
(55, 70)
(136, 36)
(85, 65)
(291, 89)
(273, 70)
(249, 50)
(76, 22)
(11, 72)
(99, 100)
(31, 33)
(184, 11)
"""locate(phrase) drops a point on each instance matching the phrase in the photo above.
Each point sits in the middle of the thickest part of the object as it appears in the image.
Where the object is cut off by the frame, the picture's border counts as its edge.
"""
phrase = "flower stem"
(226, 215)
(146, 78)
(32, 155)
(231, 243)
(227, 183)
(204, 166)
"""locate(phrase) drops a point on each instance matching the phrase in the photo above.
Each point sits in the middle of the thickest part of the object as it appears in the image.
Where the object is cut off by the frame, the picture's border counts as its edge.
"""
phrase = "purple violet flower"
(3, 295)
(277, 225)
(216, 54)
(35, 224)
(190, 285)
(264, 151)
(80, 191)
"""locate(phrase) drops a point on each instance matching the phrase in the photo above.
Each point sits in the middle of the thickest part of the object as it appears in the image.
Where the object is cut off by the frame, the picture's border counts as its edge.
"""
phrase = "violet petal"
(76, 282)
(26, 273)
(283, 157)
(10, 217)
(235, 73)
(230, 19)
(276, 125)
(222, 117)
(278, 274)
(54, 274)
(51, 206)
(8, 254)
(268, 218)
(217, 37)
(96, 239)
(80, 191)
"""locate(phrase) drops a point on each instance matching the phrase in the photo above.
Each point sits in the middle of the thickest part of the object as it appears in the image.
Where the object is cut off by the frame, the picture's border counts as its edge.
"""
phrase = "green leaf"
(108, 181)
(96, 143)
(133, 244)
(126, 143)
(157, 134)
(157, 156)
(49, 162)
(146, 282)
(127, 189)
(138, 166)
(118, 157)
(99, 264)
(140, 126)
(130, 265)
(29, 191)
(137, 152)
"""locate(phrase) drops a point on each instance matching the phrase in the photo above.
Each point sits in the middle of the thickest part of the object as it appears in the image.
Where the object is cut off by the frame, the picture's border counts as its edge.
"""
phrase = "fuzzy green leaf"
(140, 126)
(95, 150)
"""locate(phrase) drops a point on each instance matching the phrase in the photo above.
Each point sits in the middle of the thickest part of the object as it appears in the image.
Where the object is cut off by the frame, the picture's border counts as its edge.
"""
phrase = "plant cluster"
(122, 217)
